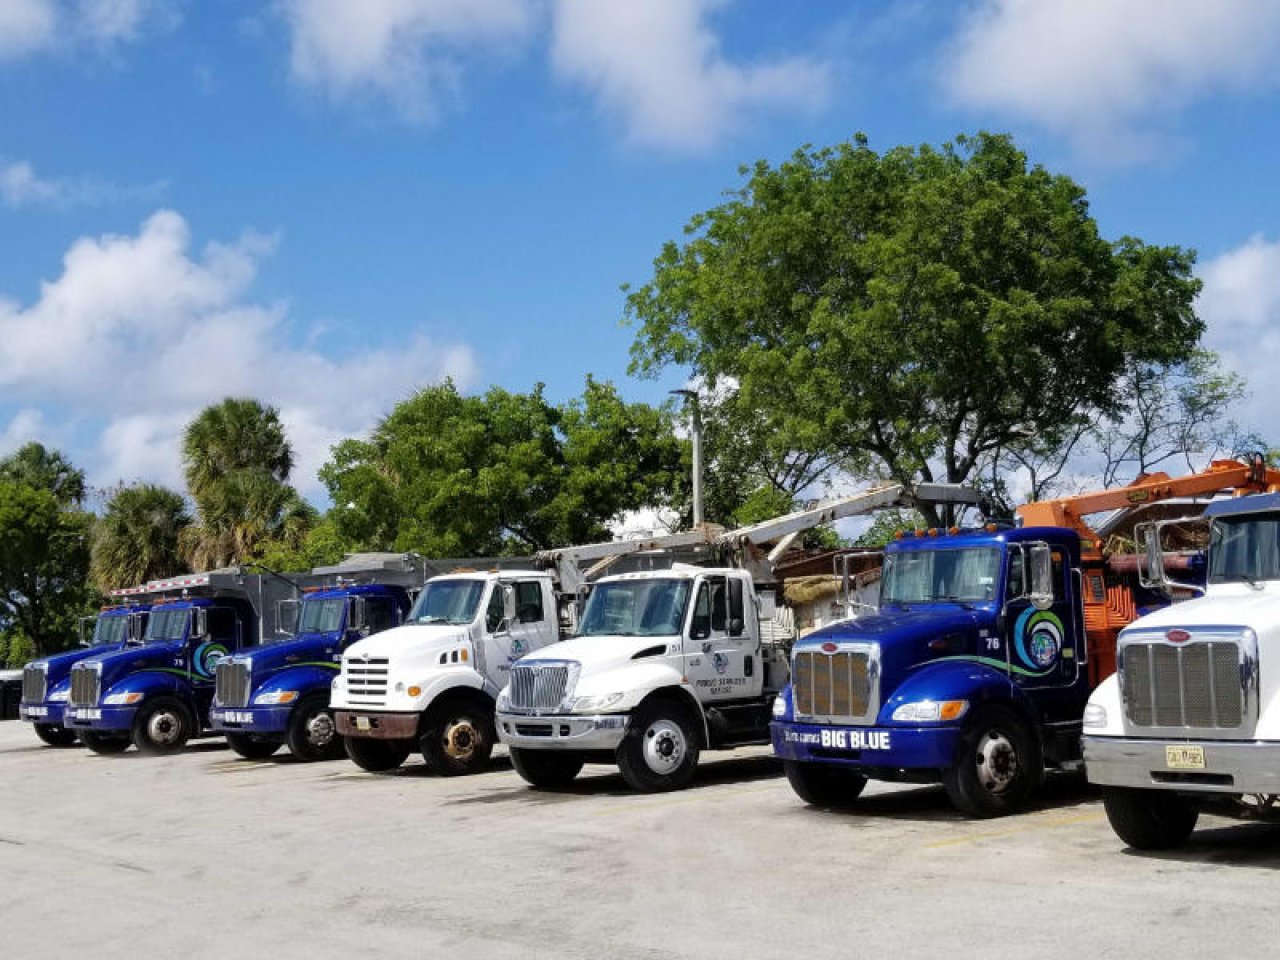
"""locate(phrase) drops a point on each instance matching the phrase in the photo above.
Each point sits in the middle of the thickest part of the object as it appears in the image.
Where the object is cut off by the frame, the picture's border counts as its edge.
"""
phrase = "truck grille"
(86, 682)
(231, 683)
(539, 687)
(366, 680)
(35, 683)
(1186, 685)
(837, 685)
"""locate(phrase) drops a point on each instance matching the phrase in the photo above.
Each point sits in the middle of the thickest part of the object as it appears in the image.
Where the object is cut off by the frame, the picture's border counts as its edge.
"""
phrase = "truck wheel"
(163, 726)
(824, 784)
(546, 769)
(1149, 819)
(313, 735)
(54, 735)
(376, 756)
(104, 743)
(660, 750)
(458, 738)
(251, 748)
(996, 765)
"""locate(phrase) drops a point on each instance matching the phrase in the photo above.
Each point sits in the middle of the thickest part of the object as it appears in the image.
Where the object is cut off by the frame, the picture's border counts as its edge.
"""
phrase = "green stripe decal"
(315, 663)
(998, 665)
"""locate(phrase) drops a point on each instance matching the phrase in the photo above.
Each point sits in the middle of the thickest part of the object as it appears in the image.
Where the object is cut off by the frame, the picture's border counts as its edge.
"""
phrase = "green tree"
(136, 538)
(45, 469)
(451, 475)
(908, 313)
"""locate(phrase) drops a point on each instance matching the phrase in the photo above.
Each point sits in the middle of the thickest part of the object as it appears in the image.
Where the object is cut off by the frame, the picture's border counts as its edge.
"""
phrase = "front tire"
(660, 751)
(546, 769)
(824, 784)
(104, 744)
(163, 726)
(54, 735)
(458, 738)
(250, 748)
(313, 734)
(1149, 819)
(376, 756)
(996, 766)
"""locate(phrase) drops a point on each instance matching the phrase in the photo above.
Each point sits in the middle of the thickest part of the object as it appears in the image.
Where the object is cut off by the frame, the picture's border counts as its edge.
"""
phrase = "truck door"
(215, 633)
(715, 661)
(1043, 645)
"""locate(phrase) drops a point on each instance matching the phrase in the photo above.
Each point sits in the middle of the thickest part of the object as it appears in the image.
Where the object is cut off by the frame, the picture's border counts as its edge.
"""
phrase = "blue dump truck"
(278, 693)
(46, 682)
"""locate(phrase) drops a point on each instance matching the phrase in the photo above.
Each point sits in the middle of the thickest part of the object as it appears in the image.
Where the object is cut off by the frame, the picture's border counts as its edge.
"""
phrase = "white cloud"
(657, 68)
(25, 426)
(21, 186)
(1240, 305)
(39, 26)
(1109, 75)
(411, 51)
(139, 333)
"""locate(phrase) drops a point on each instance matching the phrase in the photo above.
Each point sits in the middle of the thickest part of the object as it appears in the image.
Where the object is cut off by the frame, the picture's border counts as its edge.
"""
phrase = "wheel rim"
(997, 760)
(664, 747)
(320, 730)
(461, 739)
(164, 728)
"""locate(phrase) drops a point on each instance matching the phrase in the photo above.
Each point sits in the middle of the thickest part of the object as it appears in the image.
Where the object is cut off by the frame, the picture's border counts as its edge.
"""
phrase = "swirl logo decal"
(207, 657)
(1039, 637)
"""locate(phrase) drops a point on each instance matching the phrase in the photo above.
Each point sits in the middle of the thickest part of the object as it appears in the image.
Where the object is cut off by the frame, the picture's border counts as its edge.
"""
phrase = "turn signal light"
(951, 709)
(414, 691)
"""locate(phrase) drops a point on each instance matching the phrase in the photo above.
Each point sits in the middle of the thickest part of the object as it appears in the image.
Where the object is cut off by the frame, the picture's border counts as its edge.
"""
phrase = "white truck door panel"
(714, 661)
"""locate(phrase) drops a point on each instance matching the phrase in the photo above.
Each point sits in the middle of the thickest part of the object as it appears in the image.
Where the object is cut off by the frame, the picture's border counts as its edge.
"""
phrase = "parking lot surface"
(207, 855)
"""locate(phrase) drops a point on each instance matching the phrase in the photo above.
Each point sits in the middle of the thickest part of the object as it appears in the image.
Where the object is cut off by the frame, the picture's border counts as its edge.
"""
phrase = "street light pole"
(692, 397)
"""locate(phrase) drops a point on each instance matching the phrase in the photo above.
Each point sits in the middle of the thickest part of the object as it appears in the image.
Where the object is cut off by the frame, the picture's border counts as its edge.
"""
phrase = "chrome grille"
(366, 680)
(86, 681)
(231, 683)
(832, 685)
(539, 686)
(1186, 685)
(35, 683)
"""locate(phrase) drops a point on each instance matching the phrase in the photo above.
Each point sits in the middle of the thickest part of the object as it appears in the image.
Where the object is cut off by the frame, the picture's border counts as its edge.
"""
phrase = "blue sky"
(326, 203)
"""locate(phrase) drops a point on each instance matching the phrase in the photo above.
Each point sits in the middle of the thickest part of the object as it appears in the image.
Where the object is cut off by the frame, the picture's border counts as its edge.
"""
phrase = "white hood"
(411, 641)
(600, 653)
(1229, 605)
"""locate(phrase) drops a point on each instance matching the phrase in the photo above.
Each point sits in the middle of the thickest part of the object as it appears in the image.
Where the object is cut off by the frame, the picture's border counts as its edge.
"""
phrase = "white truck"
(1191, 719)
(666, 663)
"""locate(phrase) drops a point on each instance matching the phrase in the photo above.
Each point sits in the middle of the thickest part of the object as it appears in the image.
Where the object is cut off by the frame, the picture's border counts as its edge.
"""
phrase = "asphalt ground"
(206, 855)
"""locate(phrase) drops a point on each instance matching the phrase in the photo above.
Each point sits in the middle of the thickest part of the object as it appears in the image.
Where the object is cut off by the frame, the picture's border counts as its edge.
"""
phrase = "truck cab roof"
(943, 540)
(1256, 503)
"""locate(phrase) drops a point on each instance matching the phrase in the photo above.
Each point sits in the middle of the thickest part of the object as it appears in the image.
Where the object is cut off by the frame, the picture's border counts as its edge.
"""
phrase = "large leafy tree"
(36, 465)
(454, 475)
(907, 313)
(136, 538)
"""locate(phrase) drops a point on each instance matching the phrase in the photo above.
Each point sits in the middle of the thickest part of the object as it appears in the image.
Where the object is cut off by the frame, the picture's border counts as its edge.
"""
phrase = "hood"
(410, 639)
(305, 646)
(131, 659)
(58, 665)
(597, 654)
(1229, 605)
(904, 633)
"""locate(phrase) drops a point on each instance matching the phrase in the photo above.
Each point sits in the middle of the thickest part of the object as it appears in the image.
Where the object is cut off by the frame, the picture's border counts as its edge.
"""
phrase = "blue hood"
(904, 632)
(60, 664)
(120, 663)
(302, 648)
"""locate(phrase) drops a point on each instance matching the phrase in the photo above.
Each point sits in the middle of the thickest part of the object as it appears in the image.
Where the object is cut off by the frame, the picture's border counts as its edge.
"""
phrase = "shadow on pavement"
(1249, 844)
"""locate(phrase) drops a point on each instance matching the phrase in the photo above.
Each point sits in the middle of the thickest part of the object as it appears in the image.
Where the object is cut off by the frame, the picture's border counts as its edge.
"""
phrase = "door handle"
(706, 646)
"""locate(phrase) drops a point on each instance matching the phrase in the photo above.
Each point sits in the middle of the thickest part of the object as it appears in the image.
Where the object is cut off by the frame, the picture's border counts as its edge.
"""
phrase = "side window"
(493, 613)
(222, 626)
(1059, 560)
(379, 613)
(700, 626)
(1017, 575)
(529, 602)
(719, 605)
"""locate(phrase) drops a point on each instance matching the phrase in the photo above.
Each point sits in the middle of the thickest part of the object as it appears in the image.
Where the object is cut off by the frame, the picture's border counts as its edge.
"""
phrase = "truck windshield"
(937, 576)
(1244, 549)
(167, 625)
(448, 601)
(321, 616)
(636, 608)
(109, 629)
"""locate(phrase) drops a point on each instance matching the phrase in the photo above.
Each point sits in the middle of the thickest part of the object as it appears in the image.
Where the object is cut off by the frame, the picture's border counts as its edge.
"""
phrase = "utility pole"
(692, 397)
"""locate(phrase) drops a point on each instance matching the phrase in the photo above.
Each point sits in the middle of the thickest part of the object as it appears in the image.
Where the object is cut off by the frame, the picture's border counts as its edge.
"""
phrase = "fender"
(959, 679)
(683, 692)
(306, 678)
(445, 681)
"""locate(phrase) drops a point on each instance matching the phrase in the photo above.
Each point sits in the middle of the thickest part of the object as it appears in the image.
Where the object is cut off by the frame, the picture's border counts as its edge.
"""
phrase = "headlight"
(779, 707)
(59, 696)
(1095, 715)
(592, 704)
(276, 696)
(504, 700)
(930, 711)
(120, 699)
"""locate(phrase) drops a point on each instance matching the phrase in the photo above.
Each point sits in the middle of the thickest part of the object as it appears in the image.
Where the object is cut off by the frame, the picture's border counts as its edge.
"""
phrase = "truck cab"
(664, 665)
(156, 695)
(46, 683)
(973, 672)
(278, 693)
(430, 684)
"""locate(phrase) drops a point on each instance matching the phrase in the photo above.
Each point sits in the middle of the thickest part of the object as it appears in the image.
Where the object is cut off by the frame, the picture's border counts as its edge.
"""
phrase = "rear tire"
(458, 738)
(313, 733)
(1149, 819)
(376, 756)
(823, 784)
(251, 749)
(546, 769)
(996, 766)
(54, 735)
(104, 743)
(163, 726)
(660, 751)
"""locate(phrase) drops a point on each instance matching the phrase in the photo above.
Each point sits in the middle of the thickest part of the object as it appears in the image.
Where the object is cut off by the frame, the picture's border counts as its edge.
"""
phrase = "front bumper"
(42, 713)
(256, 720)
(899, 748)
(603, 732)
(1249, 766)
(377, 725)
(109, 719)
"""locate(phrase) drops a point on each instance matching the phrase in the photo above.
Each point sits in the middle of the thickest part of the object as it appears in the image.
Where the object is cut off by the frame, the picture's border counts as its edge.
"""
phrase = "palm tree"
(237, 434)
(136, 539)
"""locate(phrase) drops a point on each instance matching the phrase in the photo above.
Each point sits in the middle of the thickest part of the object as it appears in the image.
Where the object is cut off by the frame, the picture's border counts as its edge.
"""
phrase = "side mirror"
(1151, 570)
(80, 631)
(1041, 564)
(287, 612)
(136, 627)
(356, 618)
(508, 603)
(737, 616)
(199, 623)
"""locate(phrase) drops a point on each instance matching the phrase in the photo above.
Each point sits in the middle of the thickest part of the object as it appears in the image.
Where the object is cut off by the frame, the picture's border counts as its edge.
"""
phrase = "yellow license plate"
(362, 723)
(1184, 758)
